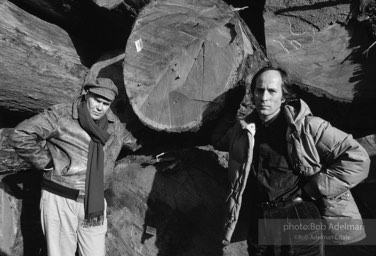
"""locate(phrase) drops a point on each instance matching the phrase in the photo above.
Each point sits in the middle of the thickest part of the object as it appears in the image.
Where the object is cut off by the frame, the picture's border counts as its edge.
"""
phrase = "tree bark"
(181, 58)
(39, 65)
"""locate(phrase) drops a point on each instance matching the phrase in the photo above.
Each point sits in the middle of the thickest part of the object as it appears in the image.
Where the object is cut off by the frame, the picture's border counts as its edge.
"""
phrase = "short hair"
(287, 92)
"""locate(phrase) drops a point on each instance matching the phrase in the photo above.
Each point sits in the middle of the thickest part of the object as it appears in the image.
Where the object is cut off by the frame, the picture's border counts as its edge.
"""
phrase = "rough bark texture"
(181, 57)
(39, 64)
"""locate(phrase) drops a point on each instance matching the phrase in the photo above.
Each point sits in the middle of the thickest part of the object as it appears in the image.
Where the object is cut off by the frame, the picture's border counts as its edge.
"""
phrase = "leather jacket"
(56, 135)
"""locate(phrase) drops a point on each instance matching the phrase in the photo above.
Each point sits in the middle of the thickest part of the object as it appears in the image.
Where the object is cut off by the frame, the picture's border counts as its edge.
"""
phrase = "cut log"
(327, 63)
(39, 65)
(181, 58)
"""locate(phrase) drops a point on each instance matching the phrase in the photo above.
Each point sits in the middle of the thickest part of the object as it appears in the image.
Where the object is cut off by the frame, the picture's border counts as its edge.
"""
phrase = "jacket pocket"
(342, 205)
(344, 224)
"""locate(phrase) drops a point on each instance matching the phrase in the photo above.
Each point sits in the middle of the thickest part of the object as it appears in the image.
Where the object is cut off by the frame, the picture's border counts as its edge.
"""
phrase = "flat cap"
(103, 87)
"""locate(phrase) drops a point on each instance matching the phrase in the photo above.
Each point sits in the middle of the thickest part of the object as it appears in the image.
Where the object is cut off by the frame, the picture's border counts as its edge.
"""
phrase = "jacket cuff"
(312, 191)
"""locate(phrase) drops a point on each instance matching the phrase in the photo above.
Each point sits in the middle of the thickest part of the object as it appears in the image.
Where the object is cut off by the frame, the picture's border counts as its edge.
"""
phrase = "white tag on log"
(139, 45)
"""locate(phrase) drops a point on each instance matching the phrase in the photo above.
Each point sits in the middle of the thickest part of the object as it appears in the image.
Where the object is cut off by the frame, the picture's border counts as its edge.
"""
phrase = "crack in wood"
(203, 70)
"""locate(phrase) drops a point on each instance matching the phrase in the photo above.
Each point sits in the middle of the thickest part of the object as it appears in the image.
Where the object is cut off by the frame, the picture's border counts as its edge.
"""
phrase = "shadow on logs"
(27, 238)
(178, 210)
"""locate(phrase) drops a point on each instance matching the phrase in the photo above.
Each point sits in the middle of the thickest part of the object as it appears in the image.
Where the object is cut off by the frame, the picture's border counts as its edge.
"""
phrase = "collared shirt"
(272, 177)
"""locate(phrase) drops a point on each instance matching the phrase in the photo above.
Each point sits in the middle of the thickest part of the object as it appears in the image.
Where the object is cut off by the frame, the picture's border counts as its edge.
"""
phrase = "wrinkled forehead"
(269, 78)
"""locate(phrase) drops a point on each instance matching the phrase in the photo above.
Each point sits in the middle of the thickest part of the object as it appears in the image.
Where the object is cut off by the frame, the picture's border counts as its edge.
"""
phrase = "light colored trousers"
(61, 224)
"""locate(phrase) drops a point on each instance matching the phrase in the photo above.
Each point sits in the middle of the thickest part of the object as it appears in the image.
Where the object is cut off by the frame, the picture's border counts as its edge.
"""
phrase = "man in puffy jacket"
(76, 145)
(287, 171)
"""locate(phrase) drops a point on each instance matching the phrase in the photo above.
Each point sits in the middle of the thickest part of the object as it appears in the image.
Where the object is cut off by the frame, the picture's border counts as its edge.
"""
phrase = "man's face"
(97, 105)
(268, 94)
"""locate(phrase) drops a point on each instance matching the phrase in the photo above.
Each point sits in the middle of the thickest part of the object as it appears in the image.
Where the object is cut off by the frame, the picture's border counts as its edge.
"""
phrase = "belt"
(61, 190)
(272, 204)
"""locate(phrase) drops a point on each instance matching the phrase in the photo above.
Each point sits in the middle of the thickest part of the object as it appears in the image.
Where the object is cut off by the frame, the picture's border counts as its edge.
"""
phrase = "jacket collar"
(296, 111)
(110, 115)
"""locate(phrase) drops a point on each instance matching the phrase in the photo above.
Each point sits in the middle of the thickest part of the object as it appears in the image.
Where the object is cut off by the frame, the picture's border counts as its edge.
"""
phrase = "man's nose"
(265, 95)
(100, 106)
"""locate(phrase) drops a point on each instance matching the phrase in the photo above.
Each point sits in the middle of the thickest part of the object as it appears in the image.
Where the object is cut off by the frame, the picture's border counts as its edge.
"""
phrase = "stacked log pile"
(173, 62)
(39, 63)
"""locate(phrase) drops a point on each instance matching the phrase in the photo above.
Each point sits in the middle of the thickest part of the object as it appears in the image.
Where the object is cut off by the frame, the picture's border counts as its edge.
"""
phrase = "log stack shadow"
(173, 211)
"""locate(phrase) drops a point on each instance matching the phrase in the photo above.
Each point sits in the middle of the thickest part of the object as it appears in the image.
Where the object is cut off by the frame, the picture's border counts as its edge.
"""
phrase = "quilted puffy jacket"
(57, 135)
(331, 160)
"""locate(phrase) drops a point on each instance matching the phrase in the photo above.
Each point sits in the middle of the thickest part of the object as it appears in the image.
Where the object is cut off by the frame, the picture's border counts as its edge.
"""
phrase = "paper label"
(139, 45)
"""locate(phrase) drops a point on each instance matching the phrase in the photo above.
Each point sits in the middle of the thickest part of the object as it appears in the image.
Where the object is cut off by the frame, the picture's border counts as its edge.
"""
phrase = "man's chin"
(95, 117)
(264, 112)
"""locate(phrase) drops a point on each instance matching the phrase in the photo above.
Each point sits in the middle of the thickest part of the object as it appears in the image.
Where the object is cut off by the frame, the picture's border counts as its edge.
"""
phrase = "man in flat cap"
(76, 145)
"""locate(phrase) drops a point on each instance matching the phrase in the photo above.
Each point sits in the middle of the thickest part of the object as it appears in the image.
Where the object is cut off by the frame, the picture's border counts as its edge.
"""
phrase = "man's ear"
(86, 95)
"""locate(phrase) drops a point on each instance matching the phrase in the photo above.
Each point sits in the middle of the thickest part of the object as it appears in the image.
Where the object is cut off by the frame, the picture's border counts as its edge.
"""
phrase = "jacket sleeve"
(29, 138)
(129, 141)
(345, 163)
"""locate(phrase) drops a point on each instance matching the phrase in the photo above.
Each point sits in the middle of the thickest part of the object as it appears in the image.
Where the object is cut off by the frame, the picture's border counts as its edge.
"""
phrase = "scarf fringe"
(93, 221)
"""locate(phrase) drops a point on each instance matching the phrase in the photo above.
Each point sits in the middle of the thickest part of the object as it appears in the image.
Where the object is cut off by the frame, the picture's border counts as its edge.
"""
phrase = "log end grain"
(180, 60)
